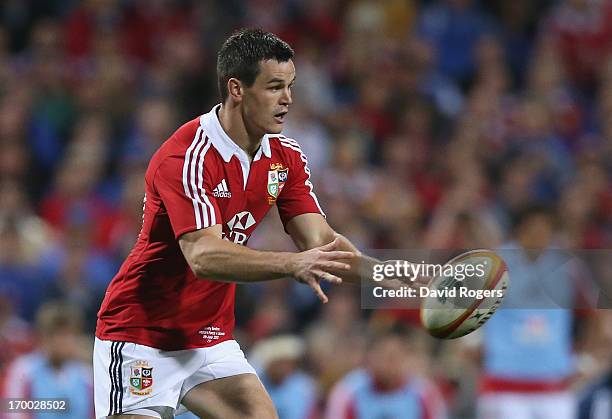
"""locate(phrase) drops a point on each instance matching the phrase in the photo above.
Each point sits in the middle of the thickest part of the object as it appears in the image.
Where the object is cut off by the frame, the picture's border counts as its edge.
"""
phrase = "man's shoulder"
(288, 148)
(279, 140)
(188, 130)
(26, 364)
(354, 381)
(179, 140)
(178, 145)
(301, 381)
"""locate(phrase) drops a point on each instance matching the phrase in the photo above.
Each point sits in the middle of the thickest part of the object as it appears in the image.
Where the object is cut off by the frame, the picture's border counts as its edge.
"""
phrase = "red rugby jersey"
(198, 178)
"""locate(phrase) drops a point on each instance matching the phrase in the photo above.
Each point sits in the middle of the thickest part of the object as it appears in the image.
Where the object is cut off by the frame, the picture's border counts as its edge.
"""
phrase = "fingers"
(314, 284)
(330, 246)
(339, 254)
(326, 276)
(334, 266)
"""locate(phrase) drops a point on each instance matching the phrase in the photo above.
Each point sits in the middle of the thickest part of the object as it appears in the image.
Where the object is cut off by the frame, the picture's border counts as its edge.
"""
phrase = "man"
(293, 391)
(55, 370)
(528, 345)
(596, 398)
(596, 403)
(389, 386)
(164, 332)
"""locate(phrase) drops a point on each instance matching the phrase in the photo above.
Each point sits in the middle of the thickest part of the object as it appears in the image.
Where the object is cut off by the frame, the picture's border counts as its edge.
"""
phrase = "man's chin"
(275, 129)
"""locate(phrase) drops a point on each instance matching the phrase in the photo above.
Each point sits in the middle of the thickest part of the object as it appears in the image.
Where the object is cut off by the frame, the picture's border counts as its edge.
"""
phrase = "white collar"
(223, 143)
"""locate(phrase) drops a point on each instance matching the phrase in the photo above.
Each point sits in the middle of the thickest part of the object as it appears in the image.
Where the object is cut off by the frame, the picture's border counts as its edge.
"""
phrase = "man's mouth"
(280, 117)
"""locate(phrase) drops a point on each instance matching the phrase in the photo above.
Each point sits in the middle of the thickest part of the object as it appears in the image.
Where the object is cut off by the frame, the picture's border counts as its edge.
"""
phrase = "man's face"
(387, 362)
(266, 103)
(536, 232)
(60, 345)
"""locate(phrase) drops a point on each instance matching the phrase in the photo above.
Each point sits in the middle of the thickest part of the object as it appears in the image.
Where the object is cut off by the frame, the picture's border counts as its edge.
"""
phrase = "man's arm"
(211, 257)
(309, 231)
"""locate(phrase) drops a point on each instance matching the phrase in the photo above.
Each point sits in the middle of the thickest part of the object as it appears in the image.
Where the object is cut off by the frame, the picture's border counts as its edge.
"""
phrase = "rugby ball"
(466, 293)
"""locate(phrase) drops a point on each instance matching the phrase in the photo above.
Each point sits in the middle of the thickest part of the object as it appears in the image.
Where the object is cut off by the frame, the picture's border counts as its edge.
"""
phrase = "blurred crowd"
(427, 124)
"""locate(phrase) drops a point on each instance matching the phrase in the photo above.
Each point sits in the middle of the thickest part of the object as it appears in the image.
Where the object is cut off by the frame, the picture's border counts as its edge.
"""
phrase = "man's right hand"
(315, 265)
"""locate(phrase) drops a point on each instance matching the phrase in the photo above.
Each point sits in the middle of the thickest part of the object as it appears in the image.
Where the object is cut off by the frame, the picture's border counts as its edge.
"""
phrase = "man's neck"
(233, 124)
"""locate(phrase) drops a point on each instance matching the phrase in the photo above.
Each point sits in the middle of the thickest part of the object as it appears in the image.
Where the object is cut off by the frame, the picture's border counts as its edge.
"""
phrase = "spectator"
(596, 399)
(292, 390)
(527, 346)
(454, 28)
(56, 370)
(16, 336)
(389, 385)
(580, 31)
(334, 342)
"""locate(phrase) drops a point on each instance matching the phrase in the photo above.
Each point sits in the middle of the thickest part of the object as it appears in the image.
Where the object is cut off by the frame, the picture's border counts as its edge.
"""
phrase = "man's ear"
(234, 89)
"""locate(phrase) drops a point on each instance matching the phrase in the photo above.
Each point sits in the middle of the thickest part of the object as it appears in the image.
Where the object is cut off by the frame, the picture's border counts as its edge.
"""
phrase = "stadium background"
(426, 123)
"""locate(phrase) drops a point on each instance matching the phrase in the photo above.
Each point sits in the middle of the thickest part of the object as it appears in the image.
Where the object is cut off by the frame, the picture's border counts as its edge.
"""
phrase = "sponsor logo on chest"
(238, 226)
(277, 176)
(221, 190)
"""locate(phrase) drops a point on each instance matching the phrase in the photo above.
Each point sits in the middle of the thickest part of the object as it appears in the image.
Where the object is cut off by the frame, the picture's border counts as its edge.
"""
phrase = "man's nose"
(286, 97)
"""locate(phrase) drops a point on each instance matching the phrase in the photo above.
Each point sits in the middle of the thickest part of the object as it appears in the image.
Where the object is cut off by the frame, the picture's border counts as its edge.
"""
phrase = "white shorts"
(132, 378)
(556, 405)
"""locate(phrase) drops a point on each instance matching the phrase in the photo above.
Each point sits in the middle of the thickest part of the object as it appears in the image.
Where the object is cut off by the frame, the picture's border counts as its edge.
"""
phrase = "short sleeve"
(297, 196)
(184, 188)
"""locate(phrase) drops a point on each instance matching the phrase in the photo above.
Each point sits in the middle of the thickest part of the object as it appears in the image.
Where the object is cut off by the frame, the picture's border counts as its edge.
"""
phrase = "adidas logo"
(221, 191)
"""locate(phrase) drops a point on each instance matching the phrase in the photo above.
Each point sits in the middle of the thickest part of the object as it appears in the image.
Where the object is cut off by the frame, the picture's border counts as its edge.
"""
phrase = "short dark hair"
(241, 53)
(56, 315)
(533, 210)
